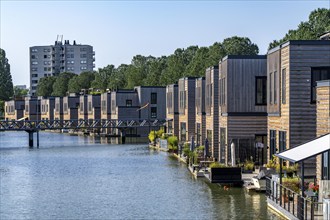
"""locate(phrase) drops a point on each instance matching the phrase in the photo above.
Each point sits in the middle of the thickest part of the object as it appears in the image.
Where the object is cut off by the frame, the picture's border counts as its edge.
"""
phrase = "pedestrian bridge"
(37, 125)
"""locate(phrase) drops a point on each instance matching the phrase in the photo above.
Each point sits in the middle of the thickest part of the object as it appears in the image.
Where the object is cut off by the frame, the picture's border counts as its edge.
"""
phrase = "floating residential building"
(293, 68)
(58, 109)
(242, 107)
(200, 111)
(32, 108)
(212, 109)
(71, 106)
(47, 108)
(172, 111)
(14, 109)
(187, 108)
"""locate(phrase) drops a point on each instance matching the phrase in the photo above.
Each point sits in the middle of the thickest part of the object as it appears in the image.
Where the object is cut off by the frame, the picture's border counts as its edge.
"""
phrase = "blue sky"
(118, 30)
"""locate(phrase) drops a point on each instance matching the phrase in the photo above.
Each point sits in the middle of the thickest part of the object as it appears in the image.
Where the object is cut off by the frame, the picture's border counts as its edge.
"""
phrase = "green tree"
(60, 86)
(103, 76)
(18, 92)
(239, 46)
(318, 23)
(45, 86)
(81, 81)
(119, 80)
(6, 83)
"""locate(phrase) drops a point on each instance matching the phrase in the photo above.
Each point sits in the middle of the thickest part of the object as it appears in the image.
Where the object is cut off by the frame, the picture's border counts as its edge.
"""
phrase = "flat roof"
(299, 42)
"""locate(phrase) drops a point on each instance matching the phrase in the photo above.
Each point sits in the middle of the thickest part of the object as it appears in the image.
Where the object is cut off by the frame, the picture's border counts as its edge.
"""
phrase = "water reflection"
(71, 177)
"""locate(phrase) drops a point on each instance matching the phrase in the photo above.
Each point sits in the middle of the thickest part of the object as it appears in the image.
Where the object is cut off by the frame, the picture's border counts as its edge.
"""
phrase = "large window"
(222, 145)
(183, 131)
(222, 92)
(283, 86)
(318, 74)
(169, 102)
(272, 147)
(275, 87)
(325, 166)
(182, 100)
(271, 88)
(261, 90)
(282, 140)
(153, 98)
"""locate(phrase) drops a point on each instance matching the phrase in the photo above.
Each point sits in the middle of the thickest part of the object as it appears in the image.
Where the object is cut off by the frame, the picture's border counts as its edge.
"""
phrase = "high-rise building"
(55, 59)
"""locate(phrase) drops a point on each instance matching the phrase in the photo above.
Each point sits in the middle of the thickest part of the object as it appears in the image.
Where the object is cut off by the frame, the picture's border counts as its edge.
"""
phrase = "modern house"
(61, 57)
(47, 108)
(323, 127)
(82, 112)
(212, 109)
(243, 107)
(200, 111)
(293, 68)
(32, 108)
(172, 111)
(106, 109)
(14, 109)
(94, 107)
(124, 106)
(71, 107)
(58, 109)
(187, 108)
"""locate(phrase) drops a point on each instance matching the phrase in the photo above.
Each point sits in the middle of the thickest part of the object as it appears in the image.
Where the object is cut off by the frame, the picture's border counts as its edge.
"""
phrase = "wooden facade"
(47, 106)
(323, 125)
(14, 109)
(242, 107)
(200, 111)
(172, 109)
(94, 106)
(71, 106)
(32, 108)
(106, 105)
(212, 109)
(292, 71)
(82, 112)
(58, 108)
(187, 108)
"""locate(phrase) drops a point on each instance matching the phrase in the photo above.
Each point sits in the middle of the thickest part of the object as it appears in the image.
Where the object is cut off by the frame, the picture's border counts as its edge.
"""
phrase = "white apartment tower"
(55, 59)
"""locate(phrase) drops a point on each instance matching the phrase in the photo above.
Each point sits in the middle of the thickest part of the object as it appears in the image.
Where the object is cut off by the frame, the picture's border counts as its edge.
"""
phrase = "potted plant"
(248, 166)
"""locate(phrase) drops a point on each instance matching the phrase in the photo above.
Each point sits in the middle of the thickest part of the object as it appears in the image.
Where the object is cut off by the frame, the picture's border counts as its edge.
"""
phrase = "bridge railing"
(77, 124)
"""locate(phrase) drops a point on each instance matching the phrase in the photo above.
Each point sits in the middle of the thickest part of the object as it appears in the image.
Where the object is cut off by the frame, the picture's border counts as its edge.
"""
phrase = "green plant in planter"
(218, 165)
(248, 165)
(272, 163)
(292, 183)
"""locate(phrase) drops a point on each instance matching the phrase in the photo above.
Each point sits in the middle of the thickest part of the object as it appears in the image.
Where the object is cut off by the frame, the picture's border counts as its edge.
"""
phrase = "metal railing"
(76, 124)
(295, 204)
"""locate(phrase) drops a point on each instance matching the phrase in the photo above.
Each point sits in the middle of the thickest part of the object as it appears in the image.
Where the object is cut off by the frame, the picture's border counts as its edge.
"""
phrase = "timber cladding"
(290, 105)
(323, 116)
(212, 107)
(187, 107)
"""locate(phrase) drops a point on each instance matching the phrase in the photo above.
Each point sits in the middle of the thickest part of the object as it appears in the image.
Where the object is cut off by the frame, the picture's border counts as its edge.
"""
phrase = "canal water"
(71, 177)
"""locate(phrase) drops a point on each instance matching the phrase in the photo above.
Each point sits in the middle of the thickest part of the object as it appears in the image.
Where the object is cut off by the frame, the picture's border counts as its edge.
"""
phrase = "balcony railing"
(291, 203)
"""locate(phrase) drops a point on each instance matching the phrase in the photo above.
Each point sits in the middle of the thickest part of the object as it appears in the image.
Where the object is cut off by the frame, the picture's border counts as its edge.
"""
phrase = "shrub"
(152, 136)
(248, 165)
(172, 142)
(292, 183)
(218, 165)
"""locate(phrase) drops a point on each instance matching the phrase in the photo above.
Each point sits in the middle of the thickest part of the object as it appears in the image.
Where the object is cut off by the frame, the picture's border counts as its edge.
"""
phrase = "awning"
(307, 150)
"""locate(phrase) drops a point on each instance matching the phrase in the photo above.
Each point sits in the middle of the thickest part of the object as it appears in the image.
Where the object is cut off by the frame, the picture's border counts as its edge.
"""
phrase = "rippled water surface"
(72, 177)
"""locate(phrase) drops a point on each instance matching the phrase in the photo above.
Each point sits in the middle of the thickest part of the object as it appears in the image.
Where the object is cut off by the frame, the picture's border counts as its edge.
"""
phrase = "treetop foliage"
(317, 24)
